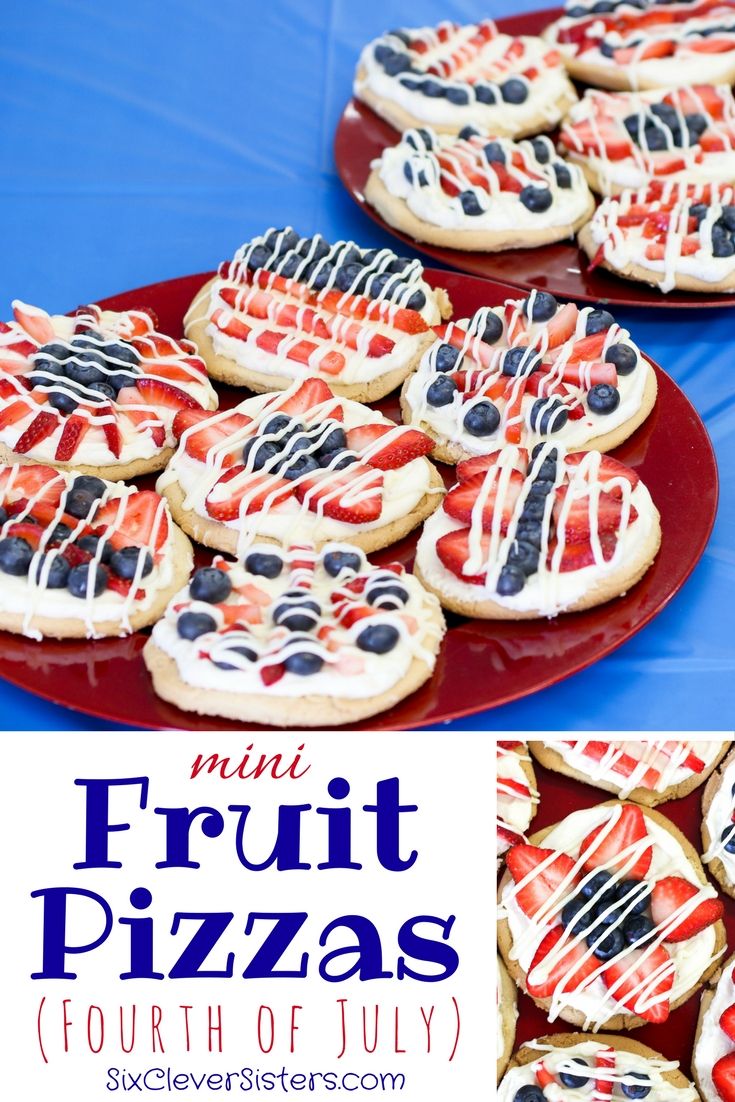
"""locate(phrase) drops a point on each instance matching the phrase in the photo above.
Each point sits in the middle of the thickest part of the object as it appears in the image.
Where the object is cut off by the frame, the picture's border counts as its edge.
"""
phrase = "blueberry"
(86, 369)
(470, 203)
(55, 351)
(46, 366)
(281, 240)
(334, 441)
(541, 487)
(3, 516)
(637, 928)
(540, 306)
(595, 884)
(208, 584)
(570, 914)
(534, 508)
(548, 415)
(493, 329)
(396, 64)
(122, 354)
(335, 562)
(603, 398)
(577, 12)
(60, 533)
(654, 139)
(350, 254)
(636, 1090)
(378, 284)
(399, 264)
(666, 113)
(105, 390)
(573, 1082)
(541, 149)
(298, 613)
(245, 652)
(58, 572)
(281, 426)
(15, 556)
(446, 357)
(536, 199)
(631, 888)
(696, 124)
(264, 451)
(623, 356)
(597, 321)
(301, 465)
(529, 1093)
(63, 401)
(481, 419)
(418, 139)
(727, 836)
(563, 175)
(468, 132)
(417, 301)
(728, 218)
(432, 88)
(88, 339)
(511, 581)
(315, 248)
(547, 470)
(632, 124)
(521, 360)
(191, 625)
(304, 663)
(258, 257)
(344, 459)
(319, 273)
(80, 578)
(91, 543)
(602, 7)
(378, 638)
(85, 486)
(609, 946)
(485, 94)
(698, 211)
(402, 35)
(530, 531)
(459, 96)
(289, 266)
(387, 596)
(722, 246)
(382, 52)
(264, 565)
(514, 90)
(494, 153)
(349, 277)
(441, 392)
(408, 171)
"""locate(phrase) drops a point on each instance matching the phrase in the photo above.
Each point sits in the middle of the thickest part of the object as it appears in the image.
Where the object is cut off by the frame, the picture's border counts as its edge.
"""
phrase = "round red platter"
(481, 664)
(559, 797)
(561, 269)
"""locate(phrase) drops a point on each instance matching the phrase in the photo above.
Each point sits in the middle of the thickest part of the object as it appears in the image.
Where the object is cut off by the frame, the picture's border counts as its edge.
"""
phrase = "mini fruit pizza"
(506, 1016)
(648, 772)
(607, 920)
(568, 1067)
(287, 308)
(647, 43)
(451, 76)
(517, 794)
(675, 236)
(714, 1047)
(478, 192)
(718, 825)
(520, 537)
(81, 557)
(526, 372)
(296, 638)
(299, 466)
(629, 140)
(97, 392)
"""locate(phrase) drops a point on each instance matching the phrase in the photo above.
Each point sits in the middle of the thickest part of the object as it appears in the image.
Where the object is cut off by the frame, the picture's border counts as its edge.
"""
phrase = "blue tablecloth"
(147, 140)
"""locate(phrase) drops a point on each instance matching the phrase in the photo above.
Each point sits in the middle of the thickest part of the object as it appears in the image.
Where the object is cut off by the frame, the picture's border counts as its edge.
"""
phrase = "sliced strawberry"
(36, 322)
(122, 586)
(664, 164)
(26, 530)
(562, 325)
(723, 1077)
(272, 673)
(453, 551)
(354, 495)
(136, 525)
(580, 554)
(480, 464)
(158, 393)
(405, 445)
(262, 490)
(727, 1022)
(33, 481)
(691, 100)
(213, 432)
(644, 992)
(14, 412)
(43, 425)
(72, 434)
(568, 974)
(144, 419)
(588, 348)
(582, 517)
(548, 870)
(629, 831)
(108, 423)
(461, 499)
(608, 468)
(657, 48)
(311, 393)
(670, 895)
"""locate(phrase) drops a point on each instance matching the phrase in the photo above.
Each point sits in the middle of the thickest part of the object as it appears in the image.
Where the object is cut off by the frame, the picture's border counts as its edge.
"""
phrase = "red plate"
(482, 664)
(561, 268)
(560, 796)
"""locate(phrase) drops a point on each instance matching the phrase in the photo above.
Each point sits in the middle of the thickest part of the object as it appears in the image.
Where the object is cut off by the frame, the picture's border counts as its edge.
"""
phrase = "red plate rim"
(361, 135)
(65, 672)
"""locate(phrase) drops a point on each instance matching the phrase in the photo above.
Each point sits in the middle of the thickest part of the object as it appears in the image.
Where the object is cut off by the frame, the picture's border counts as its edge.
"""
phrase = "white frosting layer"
(609, 1069)
(718, 818)
(713, 1042)
(657, 765)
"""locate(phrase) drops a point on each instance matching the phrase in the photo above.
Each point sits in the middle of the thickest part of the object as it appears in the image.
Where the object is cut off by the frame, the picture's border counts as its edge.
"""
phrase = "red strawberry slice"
(144, 419)
(588, 348)
(645, 991)
(36, 322)
(311, 393)
(158, 393)
(402, 448)
(267, 490)
(672, 893)
(691, 100)
(727, 1022)
(39, 481)
(135, 526)
(568, 974)
(581, 519)
(723, 1077)
(26, 530)
(108, 423)
(657, 48)
(629, 830)
(213, 432)
(453, 551)
(548, 870)
(72, 434)
(461, 499)
(608, 468)
(42, 426)
(345, 495)
(480, 464)
(272, 673)
(578, 555)
(562, 325)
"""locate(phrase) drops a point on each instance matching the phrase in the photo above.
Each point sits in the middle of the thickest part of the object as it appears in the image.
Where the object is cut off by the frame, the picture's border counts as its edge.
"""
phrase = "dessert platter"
(434, 165)
(618, 943)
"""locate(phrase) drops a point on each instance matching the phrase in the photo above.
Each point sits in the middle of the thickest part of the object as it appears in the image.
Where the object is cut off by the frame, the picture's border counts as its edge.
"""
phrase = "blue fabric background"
(145, 140)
